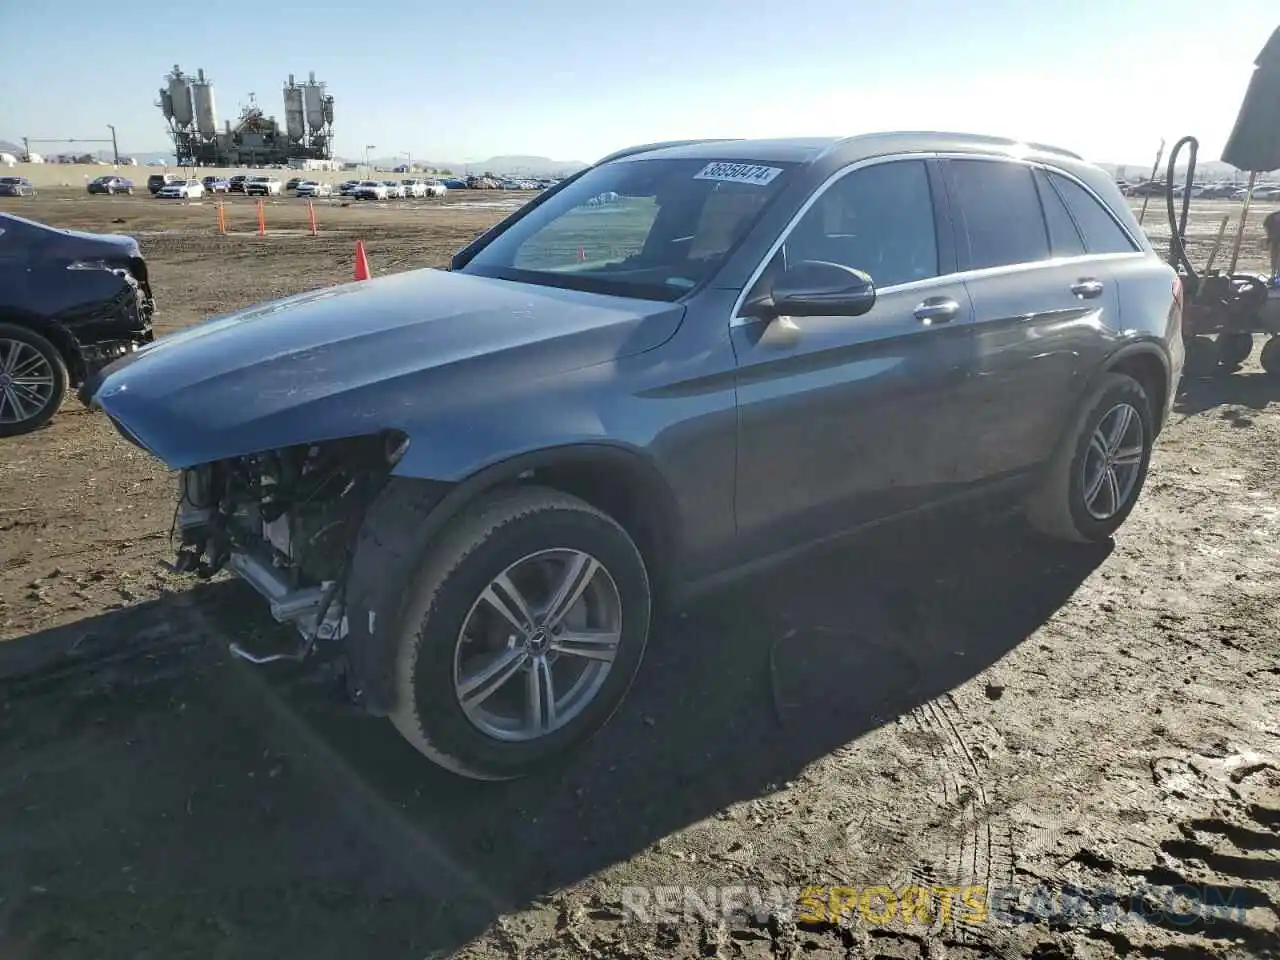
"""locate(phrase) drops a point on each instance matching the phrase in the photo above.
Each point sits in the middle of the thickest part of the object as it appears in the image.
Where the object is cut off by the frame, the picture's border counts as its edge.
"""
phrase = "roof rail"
(659, 145)
(978, 138)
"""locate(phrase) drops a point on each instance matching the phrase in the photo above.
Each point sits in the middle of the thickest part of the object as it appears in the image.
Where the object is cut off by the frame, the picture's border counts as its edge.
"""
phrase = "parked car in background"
(453, 183)
(1149, 188)
(1218, 191)
(110, 185)
(436, 189)
(158, 181)
(370, 190)
(182, 190)
(69, 302)
(294, 182)
(395, 191)
(262, 187)
(348, 187)
(216, 185)
(16, 187)
(415, 189)
(313, 188)
(480, 514)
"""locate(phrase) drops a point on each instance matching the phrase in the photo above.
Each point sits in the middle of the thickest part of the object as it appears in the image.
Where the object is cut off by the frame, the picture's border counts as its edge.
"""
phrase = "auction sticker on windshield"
(738, 173)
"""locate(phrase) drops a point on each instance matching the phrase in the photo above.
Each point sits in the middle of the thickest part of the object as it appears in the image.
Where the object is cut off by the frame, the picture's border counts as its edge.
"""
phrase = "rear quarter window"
(1064, 238)
(1097, 226)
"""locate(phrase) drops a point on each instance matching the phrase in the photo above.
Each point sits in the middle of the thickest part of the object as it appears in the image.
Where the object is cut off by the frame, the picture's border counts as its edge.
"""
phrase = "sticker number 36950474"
(738, 173)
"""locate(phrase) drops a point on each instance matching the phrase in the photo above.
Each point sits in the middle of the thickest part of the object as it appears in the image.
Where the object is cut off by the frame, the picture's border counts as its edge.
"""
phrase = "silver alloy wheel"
(1113, 462)
(26, 381)
(537, 645)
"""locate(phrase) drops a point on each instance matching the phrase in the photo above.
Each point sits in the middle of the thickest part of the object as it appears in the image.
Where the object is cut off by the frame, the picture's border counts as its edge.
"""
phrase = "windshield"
(653, 229)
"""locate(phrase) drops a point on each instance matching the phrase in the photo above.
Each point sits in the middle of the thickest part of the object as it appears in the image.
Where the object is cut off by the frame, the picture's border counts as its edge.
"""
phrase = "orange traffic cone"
(362, 262)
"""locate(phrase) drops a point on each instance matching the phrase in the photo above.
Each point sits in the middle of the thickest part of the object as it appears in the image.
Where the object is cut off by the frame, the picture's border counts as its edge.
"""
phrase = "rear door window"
(1100, 231)
(1001, 213)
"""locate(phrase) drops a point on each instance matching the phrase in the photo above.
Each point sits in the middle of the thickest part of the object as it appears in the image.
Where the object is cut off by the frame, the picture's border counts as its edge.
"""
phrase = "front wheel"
(1097, 473)
(521, 634)
(1270, 356)
(33, 380)
(1233, 349)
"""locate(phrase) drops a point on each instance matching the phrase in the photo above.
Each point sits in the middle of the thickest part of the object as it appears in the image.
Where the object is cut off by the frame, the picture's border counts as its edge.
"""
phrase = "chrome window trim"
(737, 320)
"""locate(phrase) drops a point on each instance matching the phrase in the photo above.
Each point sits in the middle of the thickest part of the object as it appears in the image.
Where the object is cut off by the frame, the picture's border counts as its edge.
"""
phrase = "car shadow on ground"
(1256, 391)
(314, 827)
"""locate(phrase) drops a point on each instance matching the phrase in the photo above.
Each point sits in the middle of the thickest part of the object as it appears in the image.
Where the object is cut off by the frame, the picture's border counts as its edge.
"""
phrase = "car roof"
(804, 150)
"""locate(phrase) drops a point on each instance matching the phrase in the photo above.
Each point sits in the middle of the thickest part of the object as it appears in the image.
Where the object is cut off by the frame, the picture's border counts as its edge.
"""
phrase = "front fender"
(443, 451)
(403, 523)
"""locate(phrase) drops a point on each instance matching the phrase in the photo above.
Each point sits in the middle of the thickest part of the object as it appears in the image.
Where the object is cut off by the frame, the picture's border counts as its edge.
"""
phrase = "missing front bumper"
(313, 611)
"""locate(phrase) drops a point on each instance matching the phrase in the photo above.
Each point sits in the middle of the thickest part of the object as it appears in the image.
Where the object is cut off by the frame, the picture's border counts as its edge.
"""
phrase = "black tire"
(1233, 349)
(1058, 508)
(57, 366)
(475, 547)
(1201, 356)
(1270, 356)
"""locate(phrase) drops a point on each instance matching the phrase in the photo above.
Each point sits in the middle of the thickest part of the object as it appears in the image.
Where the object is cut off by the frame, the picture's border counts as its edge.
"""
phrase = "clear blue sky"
(575, 80)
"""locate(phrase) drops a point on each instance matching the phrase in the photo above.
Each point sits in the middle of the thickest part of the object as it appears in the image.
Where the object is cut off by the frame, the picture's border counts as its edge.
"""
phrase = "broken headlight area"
(286, 522)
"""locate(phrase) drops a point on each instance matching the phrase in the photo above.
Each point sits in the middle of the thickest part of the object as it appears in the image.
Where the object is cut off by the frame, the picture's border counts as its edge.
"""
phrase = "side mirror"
(815, 288)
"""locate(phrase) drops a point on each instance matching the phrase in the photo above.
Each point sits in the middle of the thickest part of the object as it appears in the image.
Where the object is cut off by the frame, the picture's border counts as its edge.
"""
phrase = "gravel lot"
(940, 705)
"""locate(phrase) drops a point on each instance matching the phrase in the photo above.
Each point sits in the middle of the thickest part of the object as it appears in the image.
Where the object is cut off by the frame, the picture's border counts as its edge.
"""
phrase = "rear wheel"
(521, 634)
(33, 380)
(1097, 473)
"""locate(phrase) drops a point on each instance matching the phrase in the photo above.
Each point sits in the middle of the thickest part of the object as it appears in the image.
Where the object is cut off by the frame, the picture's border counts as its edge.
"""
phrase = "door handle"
(1087, 288)
(937, 310)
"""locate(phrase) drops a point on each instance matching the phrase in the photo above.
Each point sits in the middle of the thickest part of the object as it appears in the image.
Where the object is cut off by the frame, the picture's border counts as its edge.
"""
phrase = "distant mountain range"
(510, 164)
(1205, 170)
(532, 166)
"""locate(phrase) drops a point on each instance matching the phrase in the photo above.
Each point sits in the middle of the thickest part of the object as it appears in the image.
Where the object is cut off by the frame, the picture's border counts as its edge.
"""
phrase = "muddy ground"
(950, 704)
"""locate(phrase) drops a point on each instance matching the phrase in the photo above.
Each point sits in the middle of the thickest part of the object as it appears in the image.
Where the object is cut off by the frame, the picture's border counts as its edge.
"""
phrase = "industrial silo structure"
(206, 110)
(315, 103)
(295, 123)
(179, 89)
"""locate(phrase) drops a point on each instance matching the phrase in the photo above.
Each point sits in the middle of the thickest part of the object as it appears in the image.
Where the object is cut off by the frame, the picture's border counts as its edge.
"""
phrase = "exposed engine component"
(285, 521)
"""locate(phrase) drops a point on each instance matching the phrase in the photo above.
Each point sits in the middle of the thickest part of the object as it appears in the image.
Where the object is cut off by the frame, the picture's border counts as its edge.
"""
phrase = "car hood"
(70, 243)
(359, 358)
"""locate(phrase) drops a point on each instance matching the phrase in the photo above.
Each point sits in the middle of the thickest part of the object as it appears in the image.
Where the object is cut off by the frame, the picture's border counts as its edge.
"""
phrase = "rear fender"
(1149, 352)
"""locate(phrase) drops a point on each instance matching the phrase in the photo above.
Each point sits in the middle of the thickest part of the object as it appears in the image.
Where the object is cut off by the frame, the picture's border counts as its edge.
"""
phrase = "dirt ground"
(1093, 732)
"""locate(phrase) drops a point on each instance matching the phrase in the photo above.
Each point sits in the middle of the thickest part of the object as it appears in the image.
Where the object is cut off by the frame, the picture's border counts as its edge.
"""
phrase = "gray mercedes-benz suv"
(686, 359)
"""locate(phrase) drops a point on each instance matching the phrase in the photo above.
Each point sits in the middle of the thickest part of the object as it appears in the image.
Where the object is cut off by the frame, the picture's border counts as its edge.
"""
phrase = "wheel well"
(639, 503)
(1148, 371)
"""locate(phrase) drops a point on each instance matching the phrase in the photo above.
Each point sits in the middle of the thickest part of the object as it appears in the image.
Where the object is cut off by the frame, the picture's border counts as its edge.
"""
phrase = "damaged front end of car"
(286, 522)
(116, 324)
